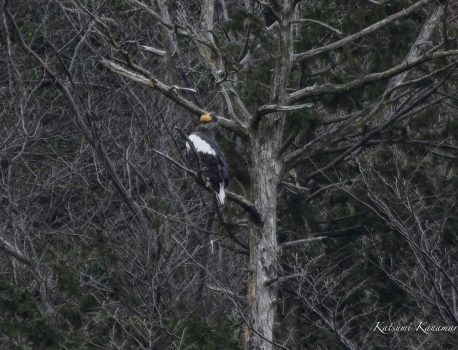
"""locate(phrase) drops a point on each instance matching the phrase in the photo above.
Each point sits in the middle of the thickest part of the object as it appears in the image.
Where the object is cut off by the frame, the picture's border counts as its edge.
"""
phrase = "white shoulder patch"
(201, 145)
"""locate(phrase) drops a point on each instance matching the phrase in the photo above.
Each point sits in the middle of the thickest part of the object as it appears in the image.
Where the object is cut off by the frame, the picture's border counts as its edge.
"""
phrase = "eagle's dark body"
(213, 163)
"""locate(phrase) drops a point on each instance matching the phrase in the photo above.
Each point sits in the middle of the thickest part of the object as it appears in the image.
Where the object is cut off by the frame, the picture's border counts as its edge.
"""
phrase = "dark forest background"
(105, 243)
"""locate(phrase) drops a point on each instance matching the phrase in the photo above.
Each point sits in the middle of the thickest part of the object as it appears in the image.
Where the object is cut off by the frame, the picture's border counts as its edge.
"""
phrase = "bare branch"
(266, 109)
(327, 26)
(169, 91)
(419, 44)
(365, 31)
(335, 88)
(14, 252)
(153, 50)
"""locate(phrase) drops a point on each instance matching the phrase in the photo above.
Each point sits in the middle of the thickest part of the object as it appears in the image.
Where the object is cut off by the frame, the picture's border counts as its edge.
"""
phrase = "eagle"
(212, 161)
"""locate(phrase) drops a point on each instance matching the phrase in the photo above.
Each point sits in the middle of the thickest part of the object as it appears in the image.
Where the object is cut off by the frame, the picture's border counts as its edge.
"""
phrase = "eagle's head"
(207, 122)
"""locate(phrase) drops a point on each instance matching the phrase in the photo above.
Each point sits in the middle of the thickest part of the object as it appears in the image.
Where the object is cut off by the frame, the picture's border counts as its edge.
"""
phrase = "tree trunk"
(265, 175)
(263, 238)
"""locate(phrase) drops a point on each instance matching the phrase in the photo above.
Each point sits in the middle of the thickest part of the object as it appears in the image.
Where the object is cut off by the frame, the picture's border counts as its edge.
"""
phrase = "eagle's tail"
(221, 194)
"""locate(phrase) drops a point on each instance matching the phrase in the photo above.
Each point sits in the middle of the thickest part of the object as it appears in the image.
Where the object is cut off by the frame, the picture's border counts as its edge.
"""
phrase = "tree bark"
(265, 174)
(263, 243)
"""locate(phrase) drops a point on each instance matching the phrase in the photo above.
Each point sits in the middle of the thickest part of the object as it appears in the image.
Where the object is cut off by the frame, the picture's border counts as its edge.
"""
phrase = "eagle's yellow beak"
(206, 118)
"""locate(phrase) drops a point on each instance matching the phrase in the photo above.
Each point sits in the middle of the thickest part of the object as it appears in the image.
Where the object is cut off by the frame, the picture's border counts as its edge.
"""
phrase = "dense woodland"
(339, 122)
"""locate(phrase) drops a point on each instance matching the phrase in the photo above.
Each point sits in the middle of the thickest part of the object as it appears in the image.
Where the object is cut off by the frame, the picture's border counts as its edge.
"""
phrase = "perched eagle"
(213, 164)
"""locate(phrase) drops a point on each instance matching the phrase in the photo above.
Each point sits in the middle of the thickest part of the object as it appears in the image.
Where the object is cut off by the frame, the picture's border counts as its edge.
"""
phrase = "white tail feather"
(221, 194)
